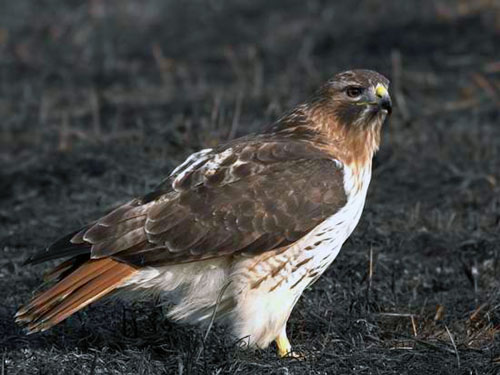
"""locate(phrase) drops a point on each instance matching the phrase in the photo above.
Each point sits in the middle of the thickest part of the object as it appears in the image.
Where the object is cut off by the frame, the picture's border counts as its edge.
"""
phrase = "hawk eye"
(353, 91)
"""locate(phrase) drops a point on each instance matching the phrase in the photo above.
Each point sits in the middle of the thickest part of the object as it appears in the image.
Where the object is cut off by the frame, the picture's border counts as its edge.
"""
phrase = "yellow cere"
(380, 90)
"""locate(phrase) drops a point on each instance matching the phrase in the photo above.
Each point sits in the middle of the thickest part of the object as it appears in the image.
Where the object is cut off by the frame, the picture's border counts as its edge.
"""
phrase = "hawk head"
(344, 117)
(356, 98)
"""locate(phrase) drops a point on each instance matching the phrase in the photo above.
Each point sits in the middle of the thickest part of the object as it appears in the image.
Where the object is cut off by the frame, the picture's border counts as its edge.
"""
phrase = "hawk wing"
(244, 198)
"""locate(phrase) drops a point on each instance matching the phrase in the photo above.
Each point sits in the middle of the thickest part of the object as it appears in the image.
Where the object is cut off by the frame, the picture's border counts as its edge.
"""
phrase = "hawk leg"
(284, 346)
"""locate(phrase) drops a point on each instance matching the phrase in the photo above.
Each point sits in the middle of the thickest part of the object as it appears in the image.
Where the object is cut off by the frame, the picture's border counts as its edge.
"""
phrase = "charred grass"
(100, 99)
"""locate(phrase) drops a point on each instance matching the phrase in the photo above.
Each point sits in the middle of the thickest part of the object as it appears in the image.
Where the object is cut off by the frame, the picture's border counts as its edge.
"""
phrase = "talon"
(295, 355)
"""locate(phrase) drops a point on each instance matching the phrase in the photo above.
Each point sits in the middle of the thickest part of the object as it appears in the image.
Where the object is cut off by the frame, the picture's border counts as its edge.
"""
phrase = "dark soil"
(99, 100)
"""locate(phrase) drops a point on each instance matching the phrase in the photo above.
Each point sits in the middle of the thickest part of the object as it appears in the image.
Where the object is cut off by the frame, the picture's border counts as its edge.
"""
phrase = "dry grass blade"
(212, 319)
(414, 326)
(454, 345)
(483, 83)
(397, 77)
(236, 117)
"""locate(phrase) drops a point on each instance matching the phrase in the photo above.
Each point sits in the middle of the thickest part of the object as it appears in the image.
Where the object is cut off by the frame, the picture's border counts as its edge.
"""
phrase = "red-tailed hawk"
(238, 231)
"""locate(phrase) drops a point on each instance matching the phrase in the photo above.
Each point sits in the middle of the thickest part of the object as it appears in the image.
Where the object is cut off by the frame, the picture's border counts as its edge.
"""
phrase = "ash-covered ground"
(99, 100)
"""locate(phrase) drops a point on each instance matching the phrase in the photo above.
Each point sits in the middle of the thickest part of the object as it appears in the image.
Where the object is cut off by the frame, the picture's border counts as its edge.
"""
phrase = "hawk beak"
(383, 98)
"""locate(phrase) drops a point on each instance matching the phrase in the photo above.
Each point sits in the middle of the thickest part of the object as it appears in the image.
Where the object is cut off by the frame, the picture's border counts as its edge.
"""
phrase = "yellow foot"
(285, 349)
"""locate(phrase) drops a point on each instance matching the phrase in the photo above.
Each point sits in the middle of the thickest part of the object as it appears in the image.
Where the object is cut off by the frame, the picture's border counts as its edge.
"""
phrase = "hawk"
(236, 232)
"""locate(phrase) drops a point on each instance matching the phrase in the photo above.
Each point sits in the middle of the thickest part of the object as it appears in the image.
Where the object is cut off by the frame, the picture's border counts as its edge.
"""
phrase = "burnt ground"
(99, 100)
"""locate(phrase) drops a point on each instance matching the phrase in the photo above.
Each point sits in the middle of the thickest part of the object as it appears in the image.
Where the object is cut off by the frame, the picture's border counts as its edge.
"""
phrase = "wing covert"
(244, 198)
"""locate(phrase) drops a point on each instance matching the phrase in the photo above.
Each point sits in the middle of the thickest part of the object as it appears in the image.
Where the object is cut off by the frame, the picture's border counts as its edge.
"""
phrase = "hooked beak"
(383, 99)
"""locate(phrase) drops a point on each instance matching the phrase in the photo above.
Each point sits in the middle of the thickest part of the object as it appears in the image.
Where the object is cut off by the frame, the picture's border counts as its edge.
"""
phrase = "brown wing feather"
(264, 205)
(248, 197)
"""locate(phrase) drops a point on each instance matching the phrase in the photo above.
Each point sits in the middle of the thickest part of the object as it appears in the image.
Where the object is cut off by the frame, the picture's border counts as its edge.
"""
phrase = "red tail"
(89, 282)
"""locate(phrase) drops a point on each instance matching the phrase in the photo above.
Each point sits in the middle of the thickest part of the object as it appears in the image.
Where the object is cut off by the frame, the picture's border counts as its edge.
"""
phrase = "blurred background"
(99, 100)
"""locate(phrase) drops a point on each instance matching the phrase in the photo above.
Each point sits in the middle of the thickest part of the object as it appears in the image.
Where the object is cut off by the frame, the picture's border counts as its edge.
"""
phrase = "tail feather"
(89, 282)
(66, 286)
(65, 268)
